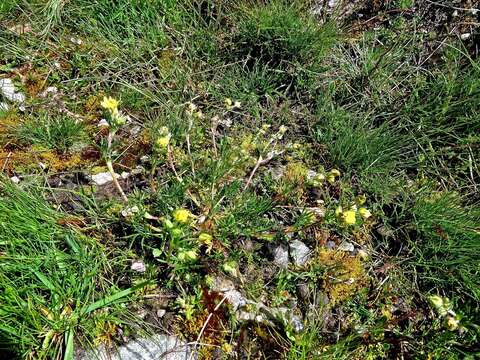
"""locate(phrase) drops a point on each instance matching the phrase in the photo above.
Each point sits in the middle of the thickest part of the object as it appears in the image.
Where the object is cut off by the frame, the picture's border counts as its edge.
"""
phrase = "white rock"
(134, 131)
(138, 266)
(103, 178)
(465, 36)
(332, 3)
(15, 179)
(300, 252)
(233, 296)
(130, 211)
(7, 88)
(286, 315)
(280, 256)
(346, 246)
(49, 90)
(138, 170)
(311, 174)
(363, 254)
(103, 122)
(162, 346)
(76, 41)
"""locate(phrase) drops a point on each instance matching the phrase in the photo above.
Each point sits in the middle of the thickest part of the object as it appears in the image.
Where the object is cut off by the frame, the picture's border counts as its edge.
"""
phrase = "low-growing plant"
(55, 284)
(58, 132)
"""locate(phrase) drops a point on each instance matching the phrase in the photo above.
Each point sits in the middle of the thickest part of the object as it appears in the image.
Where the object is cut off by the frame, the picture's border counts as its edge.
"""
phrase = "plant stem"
(115, 181)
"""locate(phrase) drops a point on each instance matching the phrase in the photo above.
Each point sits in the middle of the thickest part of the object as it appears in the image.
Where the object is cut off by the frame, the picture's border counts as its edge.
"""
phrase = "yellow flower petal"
(452, 323)
(182, 215)
(364, 213)
(334, 172)
(109, 103)
(205, 238)
(360, 199)
(163, 141)
(349, 217)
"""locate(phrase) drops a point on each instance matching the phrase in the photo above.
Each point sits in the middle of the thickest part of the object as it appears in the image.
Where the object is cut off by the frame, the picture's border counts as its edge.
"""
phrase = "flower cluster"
(115, 118)
(231, 105)
(444, 308)
(163, 139)
(349, 216)
(193, 111)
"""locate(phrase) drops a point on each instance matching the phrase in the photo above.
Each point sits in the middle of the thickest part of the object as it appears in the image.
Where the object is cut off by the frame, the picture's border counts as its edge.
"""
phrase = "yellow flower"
(191, 255)
(191, 107)
(436, 301)
(364, 213)
(360, 199)
(187, 255)
(349, 217)
(335, 172)
(330, 178)
(231, 268)
(109, 103)
(163, 141)
(182, 215)
(205, 238)
(163, 131)
(332, 175)
(227, 348)
(228, 103)
(452, 323)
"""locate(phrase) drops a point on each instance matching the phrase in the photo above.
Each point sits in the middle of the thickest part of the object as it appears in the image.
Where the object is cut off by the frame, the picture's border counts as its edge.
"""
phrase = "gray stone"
(103, 178)
(346, 246)
(300, 252)
(157, 347)
(7, 88)
(138, 266)
(311, 174)
(280, 256)
(232, 295)
(330, 245)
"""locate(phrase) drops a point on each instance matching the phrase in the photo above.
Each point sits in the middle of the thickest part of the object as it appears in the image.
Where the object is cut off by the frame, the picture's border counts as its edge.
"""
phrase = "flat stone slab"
(157, 347)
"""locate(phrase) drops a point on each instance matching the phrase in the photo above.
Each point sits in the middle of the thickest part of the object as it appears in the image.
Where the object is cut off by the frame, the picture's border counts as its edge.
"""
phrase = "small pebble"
(346, 246)
(76, 41)
(138, 266)
(103, 122)
(103, 178)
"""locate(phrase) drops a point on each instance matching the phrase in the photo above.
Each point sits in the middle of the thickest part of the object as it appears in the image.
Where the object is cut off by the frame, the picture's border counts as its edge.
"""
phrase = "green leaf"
(45, 281)
(112, 298)
(69, 346)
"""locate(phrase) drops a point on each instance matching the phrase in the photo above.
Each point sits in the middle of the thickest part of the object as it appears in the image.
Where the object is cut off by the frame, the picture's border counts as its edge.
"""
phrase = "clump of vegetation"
(56, 284)
(58, 132)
